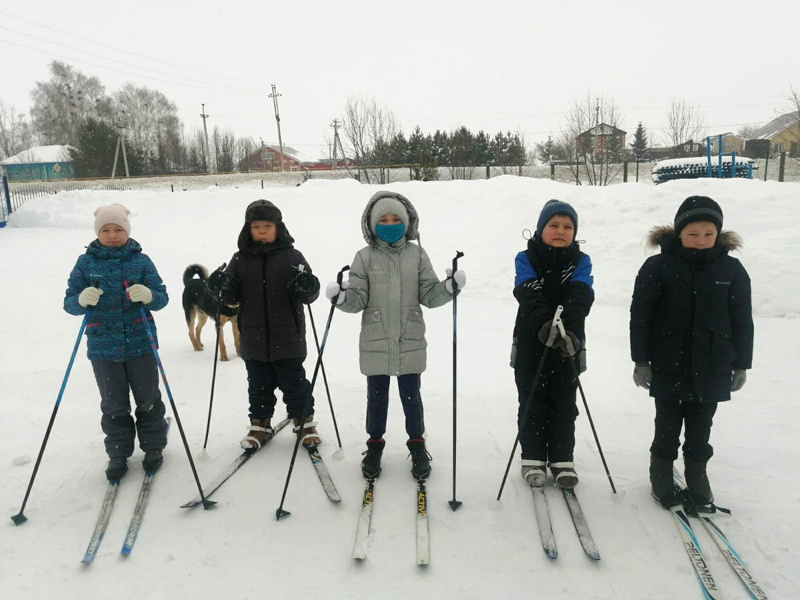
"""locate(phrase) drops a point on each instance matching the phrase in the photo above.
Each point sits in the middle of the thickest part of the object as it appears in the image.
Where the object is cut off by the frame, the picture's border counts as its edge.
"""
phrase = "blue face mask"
(390, 233)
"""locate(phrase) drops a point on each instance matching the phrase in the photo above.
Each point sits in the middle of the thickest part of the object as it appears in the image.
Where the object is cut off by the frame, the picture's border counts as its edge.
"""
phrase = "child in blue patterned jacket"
(113, 280)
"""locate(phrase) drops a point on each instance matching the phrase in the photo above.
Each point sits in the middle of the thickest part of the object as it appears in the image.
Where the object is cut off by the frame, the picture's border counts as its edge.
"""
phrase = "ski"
(423, 533)
(581, 527)
(543, 520)
(364, 521)
(323, 474)
(102, 521)
(234, 466)
(138, 511)
(733, 558)
(695, 553)
(722, 541)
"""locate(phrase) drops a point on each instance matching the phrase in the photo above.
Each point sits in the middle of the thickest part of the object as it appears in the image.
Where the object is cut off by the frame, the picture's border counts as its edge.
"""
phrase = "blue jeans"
(378, 404)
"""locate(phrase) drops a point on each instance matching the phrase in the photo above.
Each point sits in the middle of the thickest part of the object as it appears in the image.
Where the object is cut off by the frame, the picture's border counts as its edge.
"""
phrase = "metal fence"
(20, 194)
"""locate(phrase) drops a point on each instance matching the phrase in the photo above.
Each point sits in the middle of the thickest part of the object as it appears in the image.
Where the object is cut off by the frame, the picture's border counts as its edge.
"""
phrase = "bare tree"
(15, 131)
(792, 105)
(597, 143)
(62, 104)
(684, 123)
(746, 131)
(368, 128)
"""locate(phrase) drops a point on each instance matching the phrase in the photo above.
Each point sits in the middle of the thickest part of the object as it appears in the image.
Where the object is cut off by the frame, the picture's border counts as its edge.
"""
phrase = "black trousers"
(549, 431)
(378, 404)
(671, 415)
(286, 374)
(116, 380)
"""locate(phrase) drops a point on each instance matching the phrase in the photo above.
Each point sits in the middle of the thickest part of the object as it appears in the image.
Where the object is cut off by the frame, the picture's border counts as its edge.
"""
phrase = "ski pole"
(206, 502)
(20, 518)
(216, 354)
(561, 330)
(325, 381)
(528, 404)
(455, 504)
(280, 512)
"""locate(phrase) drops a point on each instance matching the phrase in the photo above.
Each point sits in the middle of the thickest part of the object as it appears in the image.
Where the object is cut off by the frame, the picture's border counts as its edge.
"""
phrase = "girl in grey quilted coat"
(389, 280)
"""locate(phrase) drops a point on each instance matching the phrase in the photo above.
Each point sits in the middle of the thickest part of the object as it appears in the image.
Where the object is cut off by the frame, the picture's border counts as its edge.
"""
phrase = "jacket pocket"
(372, 325)
(669, 353)
(723, 353)
(415, 325)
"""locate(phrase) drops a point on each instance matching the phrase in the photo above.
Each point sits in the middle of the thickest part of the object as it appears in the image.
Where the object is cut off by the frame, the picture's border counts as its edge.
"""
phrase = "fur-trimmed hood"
(730, 240)
(412, 231)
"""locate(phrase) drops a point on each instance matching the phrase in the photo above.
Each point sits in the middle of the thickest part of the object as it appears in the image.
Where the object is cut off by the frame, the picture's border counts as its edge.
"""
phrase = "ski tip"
(190, 504)
(280, 514)
(126, 551)
(19, 519)
(455, 504)
(207, 504)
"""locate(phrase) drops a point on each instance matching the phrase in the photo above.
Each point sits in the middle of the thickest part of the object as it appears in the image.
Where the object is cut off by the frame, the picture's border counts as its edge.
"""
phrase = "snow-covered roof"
(774, 127)
(292, 153)
(38, 155)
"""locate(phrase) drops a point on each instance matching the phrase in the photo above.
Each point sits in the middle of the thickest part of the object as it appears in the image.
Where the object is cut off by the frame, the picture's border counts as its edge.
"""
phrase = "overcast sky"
(494, 65)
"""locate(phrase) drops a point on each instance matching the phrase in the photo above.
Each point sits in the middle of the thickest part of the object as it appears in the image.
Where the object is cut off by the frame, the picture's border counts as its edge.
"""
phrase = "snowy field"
(487, 549)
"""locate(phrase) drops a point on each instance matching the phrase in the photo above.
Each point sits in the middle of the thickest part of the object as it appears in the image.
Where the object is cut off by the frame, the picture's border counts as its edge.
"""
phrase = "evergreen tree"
(639, 144)
(97, 144)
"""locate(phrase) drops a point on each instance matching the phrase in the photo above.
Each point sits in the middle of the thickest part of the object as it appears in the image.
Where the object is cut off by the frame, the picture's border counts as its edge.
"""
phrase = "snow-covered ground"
(487, 549)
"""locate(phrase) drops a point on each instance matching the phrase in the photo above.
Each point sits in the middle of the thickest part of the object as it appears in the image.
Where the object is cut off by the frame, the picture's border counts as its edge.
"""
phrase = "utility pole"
(205, 129)
(120, 125)
(274, 95)
(335, 126)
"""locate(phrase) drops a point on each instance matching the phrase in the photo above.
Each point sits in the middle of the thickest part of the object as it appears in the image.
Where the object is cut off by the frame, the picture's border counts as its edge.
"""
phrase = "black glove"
(304, 283)
(217, 280)
(568, 345)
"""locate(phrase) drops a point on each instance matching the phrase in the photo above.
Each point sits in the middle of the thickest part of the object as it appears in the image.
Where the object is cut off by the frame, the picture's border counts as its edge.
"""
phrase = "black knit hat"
(262, 210)
(553, 208)
(698, 208)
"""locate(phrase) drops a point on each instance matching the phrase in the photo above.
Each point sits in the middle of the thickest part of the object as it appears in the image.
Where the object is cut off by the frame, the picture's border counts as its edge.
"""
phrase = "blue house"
(39, 163)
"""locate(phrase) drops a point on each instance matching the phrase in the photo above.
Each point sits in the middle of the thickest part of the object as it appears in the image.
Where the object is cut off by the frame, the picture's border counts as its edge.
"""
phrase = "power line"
(119, 61)
(124, 51)
(191, 85)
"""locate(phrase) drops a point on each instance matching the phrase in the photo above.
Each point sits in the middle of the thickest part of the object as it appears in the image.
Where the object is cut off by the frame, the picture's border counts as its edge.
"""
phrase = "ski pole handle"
(340, 275)
(455, 268)
(558, 323)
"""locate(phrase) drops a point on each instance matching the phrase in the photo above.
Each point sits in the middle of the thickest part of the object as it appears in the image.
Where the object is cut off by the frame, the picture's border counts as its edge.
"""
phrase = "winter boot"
(308, 432)
(697, 482)
(420, 459)
(259, 431)
(534, 472)
(661, 482)
(153, 459)
(117, 467)
(371, 465)
(564, 474)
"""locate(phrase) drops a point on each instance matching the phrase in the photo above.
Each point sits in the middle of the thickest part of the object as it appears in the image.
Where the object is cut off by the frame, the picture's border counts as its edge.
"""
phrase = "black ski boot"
(117, 467)
(371, 465)
(697, 482)
(661, 482)
(420, 459)
(153, 459)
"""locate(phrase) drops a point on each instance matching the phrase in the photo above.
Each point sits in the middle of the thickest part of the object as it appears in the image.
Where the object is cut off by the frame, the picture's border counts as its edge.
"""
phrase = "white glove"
(89, 297)
(459, 276)
(335, 293)
(140, 293)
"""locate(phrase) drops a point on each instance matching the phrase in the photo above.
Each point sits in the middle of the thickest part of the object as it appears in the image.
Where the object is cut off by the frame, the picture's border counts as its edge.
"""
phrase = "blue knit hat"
(553, 208)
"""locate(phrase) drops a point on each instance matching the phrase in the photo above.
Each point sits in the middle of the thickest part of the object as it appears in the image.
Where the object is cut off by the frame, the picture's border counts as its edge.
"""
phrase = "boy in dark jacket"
(112, 281)
(551, 272)
(270, 281)
(691, 339)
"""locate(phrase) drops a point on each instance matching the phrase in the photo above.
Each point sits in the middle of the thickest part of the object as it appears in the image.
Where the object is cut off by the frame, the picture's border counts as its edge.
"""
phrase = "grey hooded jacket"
(389, 283)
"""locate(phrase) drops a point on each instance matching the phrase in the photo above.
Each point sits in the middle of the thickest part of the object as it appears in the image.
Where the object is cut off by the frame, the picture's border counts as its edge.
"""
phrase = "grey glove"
(738, 379)
(568, 345)
(548, 334)
(642, 376)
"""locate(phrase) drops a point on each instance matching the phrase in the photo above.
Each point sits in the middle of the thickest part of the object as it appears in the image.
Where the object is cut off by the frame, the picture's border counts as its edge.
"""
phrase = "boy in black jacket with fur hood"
(691, 335)
(270, 281)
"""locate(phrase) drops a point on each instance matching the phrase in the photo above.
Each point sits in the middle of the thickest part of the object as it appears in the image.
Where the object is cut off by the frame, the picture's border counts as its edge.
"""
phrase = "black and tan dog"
(199, 305)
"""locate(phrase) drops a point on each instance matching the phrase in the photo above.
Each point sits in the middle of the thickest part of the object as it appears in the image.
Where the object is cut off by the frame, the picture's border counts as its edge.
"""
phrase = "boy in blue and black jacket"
(113, 280)
(551, 272)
